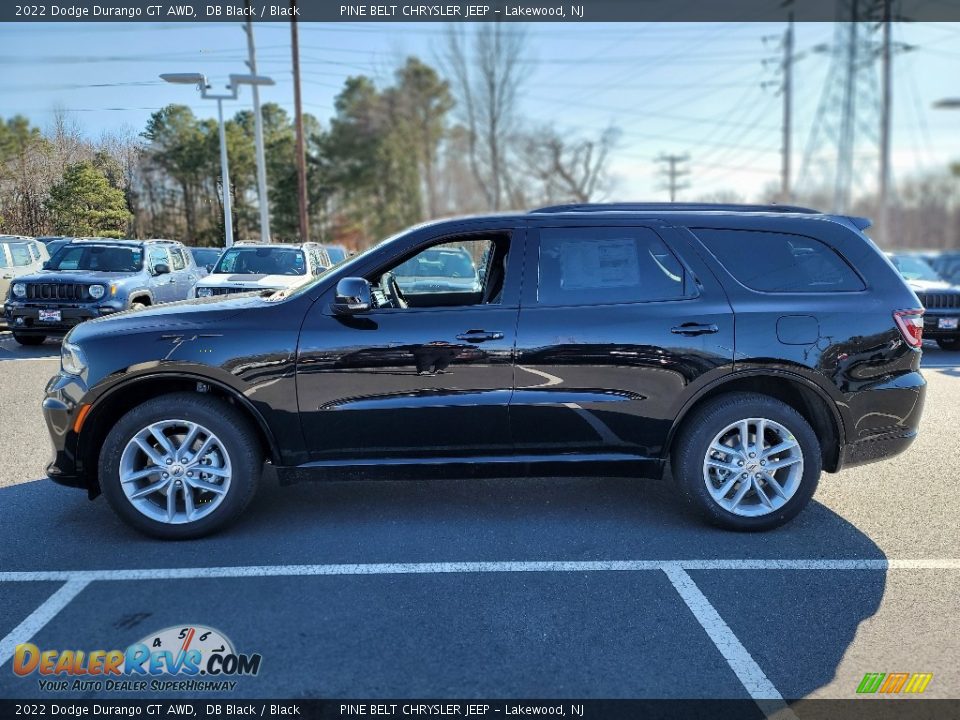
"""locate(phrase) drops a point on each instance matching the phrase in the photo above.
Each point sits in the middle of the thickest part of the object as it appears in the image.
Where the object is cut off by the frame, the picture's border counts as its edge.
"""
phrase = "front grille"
(57, 291)
(230, 290)
(939, 301)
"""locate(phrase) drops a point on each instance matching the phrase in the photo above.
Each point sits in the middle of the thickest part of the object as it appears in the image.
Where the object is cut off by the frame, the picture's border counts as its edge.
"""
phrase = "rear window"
(780, 262)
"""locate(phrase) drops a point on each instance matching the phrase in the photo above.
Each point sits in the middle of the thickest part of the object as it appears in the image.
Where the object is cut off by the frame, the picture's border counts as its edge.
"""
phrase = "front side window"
(104, 258)
(158, 256)
(601, 266)
(262, 261)
(780, 262)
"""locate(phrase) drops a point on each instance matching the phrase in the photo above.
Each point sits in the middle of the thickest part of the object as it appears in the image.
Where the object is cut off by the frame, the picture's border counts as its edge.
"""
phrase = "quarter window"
(780, 262)
(600, 266)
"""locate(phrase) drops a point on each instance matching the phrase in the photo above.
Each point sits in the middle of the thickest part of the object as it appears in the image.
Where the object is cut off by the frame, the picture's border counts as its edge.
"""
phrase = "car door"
(183, 271)
(616, 329)
(163, 287)
(429, 380)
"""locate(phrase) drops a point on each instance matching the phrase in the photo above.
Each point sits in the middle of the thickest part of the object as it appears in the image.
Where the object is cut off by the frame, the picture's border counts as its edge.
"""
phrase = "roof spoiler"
(862, 223)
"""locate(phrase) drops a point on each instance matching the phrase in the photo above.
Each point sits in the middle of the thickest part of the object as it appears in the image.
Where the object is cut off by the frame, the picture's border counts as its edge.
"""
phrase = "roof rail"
(679, 207)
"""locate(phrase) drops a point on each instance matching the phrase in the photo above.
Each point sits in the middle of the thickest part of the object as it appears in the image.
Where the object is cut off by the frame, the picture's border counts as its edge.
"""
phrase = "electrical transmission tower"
(673, 171)
(844, 142)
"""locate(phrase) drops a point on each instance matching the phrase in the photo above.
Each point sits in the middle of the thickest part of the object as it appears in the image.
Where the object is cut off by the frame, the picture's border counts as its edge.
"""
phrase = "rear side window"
(179, 263)
(780, 262)
(600, 266)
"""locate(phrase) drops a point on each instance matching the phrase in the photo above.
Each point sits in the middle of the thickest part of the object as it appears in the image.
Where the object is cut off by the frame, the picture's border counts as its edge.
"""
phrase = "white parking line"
(494, 566)
(757, 684)
(35, 621)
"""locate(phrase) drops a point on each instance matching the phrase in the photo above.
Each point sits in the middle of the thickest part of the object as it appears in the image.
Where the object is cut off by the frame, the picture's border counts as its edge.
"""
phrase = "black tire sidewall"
(217, 415)
(29, 340)
(703, 426)
(951, 343)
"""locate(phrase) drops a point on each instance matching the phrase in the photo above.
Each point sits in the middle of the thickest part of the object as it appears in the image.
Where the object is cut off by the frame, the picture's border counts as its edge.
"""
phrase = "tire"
(695, 464)
(29, 339)
(234, 454)
(950, 343)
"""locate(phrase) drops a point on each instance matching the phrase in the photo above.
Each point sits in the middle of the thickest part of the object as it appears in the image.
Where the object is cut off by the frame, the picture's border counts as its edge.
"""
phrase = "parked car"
(947, 265)
(940, 299)
(92, 278)
(745, 347)
(205, 258)
(249, 267)
(19, 256)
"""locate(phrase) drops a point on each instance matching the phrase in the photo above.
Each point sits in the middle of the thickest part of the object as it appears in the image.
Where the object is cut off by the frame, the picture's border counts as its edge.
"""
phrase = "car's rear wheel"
(747, 461)
(29, 339)
(181, 465)
(950, 343)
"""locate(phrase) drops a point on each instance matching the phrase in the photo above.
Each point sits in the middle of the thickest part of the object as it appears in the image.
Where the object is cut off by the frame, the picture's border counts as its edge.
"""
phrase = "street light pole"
(225, 175)
(258, 138)
(236, 81)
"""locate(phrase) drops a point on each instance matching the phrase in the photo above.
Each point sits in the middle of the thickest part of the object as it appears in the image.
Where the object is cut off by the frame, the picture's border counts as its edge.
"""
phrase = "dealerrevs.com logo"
(181, 658)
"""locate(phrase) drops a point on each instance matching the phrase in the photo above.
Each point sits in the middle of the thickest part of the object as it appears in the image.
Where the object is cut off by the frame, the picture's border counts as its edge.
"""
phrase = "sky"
(701, 89)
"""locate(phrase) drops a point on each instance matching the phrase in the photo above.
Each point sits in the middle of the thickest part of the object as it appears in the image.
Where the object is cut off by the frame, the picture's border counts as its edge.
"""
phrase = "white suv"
(250, 267)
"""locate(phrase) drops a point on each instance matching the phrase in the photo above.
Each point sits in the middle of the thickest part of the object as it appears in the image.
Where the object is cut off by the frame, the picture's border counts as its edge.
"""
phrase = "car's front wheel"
(29, 339)
(747, 461)
(950, 343)
(181, 465)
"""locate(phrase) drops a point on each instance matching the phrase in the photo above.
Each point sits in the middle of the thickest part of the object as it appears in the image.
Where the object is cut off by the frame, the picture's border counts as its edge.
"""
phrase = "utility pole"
(885, 109)
(788, 58)
(258, 136)
(673, 172)
(298, 112)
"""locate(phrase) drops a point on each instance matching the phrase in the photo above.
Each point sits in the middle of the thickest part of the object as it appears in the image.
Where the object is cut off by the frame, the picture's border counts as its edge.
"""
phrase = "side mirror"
(209, 268)
(353, 296)
(161, 269)
(46, 265)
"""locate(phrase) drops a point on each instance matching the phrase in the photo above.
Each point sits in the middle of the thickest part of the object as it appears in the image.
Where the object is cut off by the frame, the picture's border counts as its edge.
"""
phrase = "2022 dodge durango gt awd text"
(748, 348)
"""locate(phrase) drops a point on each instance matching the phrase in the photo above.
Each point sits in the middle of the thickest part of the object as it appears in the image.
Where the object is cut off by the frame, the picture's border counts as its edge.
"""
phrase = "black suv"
(746, 347)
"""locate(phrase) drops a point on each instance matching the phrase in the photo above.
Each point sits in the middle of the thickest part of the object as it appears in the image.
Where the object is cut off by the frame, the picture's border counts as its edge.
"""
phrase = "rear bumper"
(891, 424)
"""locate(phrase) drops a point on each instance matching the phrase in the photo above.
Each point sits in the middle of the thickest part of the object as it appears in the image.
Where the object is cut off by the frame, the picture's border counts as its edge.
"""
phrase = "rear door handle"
(695, 329)
(479, 336)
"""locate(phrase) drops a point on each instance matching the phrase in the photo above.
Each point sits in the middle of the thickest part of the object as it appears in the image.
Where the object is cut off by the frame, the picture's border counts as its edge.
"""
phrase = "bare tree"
(566, 169)
(486, 74)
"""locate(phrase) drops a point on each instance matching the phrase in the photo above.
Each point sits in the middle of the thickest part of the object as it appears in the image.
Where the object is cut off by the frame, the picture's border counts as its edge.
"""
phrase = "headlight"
(72, 359)
(96, 291)
(19, 290)
(204, 292)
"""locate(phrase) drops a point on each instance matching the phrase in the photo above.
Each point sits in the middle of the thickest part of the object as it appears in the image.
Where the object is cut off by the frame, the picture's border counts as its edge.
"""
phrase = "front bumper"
(932, 323)
(61, 403)
(24, 318)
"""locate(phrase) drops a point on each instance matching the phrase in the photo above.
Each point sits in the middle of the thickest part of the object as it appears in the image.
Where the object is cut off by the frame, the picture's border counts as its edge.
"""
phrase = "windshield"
(262, 261)
(438, 264)
(102, 258)
(914, 268)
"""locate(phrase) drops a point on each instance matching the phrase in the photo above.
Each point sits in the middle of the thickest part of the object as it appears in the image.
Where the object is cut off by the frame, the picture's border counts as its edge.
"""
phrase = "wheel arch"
(800, 393)
(122, 398)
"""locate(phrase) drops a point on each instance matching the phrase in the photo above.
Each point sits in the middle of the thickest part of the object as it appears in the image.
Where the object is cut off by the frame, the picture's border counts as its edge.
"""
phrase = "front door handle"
(479, 336)
(692, 329)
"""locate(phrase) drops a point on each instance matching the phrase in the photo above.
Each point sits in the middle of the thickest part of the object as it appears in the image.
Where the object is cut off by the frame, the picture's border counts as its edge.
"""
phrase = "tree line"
(433, 142)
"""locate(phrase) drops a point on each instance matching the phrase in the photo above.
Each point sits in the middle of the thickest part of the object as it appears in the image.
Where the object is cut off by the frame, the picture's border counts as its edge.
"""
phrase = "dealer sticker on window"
(947, 323)
(49, 316)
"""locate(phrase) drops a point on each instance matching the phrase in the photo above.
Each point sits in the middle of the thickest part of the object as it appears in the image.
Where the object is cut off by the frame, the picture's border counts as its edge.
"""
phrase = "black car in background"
(746, 348)
(205, 258)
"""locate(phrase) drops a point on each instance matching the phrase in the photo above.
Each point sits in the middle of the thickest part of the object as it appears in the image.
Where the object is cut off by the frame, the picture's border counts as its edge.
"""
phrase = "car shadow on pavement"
(797, 624)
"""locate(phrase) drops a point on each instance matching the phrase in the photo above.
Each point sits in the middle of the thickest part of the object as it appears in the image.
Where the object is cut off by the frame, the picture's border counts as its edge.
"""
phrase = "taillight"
(910, 323)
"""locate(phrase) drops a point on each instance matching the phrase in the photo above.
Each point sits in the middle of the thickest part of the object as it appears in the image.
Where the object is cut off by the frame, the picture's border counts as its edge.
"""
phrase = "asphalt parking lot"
(590, 588)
